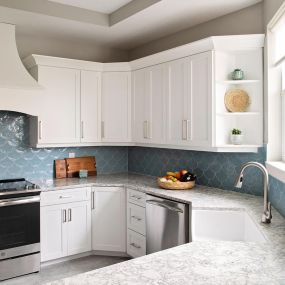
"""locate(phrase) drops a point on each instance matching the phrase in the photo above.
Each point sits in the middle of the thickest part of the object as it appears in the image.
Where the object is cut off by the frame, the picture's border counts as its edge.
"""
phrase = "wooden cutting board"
(73, 165)
(60, 168)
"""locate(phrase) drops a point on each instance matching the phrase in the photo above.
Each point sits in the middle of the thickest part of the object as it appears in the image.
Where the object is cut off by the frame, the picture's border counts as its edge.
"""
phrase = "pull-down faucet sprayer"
(266, 216)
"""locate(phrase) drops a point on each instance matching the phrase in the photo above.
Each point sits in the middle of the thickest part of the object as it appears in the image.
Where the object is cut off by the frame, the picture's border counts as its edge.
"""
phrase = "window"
(278, 32)
(275, 95)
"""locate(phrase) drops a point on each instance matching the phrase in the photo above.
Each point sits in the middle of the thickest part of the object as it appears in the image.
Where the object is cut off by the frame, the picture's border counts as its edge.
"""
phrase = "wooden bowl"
(178, 185)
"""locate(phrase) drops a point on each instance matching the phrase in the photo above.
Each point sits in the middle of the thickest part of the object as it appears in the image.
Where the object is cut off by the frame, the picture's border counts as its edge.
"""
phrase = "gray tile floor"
(64, 269)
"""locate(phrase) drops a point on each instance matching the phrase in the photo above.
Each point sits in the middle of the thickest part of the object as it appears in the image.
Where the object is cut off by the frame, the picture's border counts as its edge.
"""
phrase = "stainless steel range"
(19, 228)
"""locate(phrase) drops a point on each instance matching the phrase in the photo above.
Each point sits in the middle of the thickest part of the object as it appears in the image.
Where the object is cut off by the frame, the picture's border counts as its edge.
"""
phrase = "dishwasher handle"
(164, 205)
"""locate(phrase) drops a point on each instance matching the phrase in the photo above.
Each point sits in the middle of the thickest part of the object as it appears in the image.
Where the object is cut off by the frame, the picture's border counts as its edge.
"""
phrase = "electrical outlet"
(71, 155)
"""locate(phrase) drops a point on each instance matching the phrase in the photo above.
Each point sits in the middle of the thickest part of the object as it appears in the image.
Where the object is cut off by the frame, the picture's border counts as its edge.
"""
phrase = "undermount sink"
(224, 225)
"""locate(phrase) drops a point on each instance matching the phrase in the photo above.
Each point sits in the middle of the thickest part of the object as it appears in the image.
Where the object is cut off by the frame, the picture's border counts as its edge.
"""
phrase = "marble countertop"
(199, 262)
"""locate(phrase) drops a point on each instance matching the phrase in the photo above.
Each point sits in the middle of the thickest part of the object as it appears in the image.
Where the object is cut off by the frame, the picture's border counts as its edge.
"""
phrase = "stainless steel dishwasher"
(167, 223)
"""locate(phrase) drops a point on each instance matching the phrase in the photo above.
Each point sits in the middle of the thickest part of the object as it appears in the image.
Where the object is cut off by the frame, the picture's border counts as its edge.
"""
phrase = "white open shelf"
(239, 114)
(249, 122)
(238, 82)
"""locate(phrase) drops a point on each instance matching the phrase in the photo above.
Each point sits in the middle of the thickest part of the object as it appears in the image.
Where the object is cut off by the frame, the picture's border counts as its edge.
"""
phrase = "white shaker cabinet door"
(59, 120)
(79, 227)
(116, 107)
(109, 219)
(177, 102)
(157, 108)
(141, 106)
(53, 232)
(199, 128)
(90, 106)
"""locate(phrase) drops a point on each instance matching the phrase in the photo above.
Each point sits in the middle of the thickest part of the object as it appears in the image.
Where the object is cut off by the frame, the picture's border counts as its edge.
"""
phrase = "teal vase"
(237, 74)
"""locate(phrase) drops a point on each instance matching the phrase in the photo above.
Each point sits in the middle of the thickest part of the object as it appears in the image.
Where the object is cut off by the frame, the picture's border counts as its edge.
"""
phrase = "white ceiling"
(159, 20)
(102, 6)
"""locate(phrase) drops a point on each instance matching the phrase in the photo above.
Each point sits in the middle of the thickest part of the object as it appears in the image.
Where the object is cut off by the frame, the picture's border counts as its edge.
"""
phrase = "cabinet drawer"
(136, 218)
(136, 197)
(65, 196)
(136, 244)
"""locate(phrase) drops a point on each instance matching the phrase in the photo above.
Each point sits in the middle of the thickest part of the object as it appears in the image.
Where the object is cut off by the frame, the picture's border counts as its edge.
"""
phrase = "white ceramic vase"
(237, 139)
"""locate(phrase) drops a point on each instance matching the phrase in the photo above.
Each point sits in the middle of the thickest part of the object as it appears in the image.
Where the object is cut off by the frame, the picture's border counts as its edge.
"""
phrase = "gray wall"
(270, 8)
(246, 21)
(77, 50)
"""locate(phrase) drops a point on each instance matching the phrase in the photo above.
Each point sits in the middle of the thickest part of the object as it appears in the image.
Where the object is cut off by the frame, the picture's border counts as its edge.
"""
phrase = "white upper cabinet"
(116, 107)
(140, 106)
(189, 100)
(149, 104)
(173, 99)
(157, 108)
(177, 102)
(90, 106)
(200, 88)
(59, 121)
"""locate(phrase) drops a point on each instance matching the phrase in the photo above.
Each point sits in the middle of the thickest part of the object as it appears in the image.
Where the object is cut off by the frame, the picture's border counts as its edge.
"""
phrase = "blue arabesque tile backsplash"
(220, 170)
(213, 169)
(17, 159)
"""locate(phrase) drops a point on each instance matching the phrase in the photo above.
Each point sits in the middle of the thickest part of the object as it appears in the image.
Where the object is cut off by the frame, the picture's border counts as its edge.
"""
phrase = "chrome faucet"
(266, 216)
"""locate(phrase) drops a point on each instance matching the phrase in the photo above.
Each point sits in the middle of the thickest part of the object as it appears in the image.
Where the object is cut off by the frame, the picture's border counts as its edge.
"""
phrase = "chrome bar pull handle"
(145, 129)
(69, 215)
(93, 200)
(65, 197)
(102, 129)
(135, 245)
(163, 205)
(136, 218)
(184, 131)
(82, 129)
(64, 216)
(136, 197)
(40, 130)
(187, 129)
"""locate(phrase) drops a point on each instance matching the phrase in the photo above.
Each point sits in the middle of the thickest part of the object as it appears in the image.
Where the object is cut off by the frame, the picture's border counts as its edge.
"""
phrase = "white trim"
(276, 169)
(276, 17)
(225, 43)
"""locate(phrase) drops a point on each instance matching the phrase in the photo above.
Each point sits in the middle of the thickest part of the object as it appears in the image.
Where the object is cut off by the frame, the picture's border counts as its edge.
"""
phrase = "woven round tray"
(176, 185)
(237, 100)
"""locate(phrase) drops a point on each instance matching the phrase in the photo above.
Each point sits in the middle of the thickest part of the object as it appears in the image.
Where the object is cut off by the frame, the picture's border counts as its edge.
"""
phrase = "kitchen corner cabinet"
(116, 107)
(108, 219)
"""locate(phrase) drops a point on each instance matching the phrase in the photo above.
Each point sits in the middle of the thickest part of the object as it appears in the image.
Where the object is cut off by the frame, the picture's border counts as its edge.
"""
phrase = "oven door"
(19, 226)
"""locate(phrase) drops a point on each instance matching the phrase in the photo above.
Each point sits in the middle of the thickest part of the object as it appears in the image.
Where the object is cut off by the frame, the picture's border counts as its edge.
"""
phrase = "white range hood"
(13, 74)
(19, 91)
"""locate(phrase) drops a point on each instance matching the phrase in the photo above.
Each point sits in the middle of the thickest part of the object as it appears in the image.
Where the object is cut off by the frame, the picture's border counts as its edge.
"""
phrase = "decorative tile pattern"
(17, 159)
(277, 194)
(213, 169)
(220, 170)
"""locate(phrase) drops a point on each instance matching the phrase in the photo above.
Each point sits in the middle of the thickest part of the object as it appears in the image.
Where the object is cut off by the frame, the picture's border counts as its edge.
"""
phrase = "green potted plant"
(236, 136)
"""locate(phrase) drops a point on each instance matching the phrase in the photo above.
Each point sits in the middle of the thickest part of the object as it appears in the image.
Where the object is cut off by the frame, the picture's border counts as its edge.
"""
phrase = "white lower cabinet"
(83, 219)
(65, 228)
(53, 233)
(136, 244)
(136, 240)
(136, 218)
(109, 219)
(78, 227)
